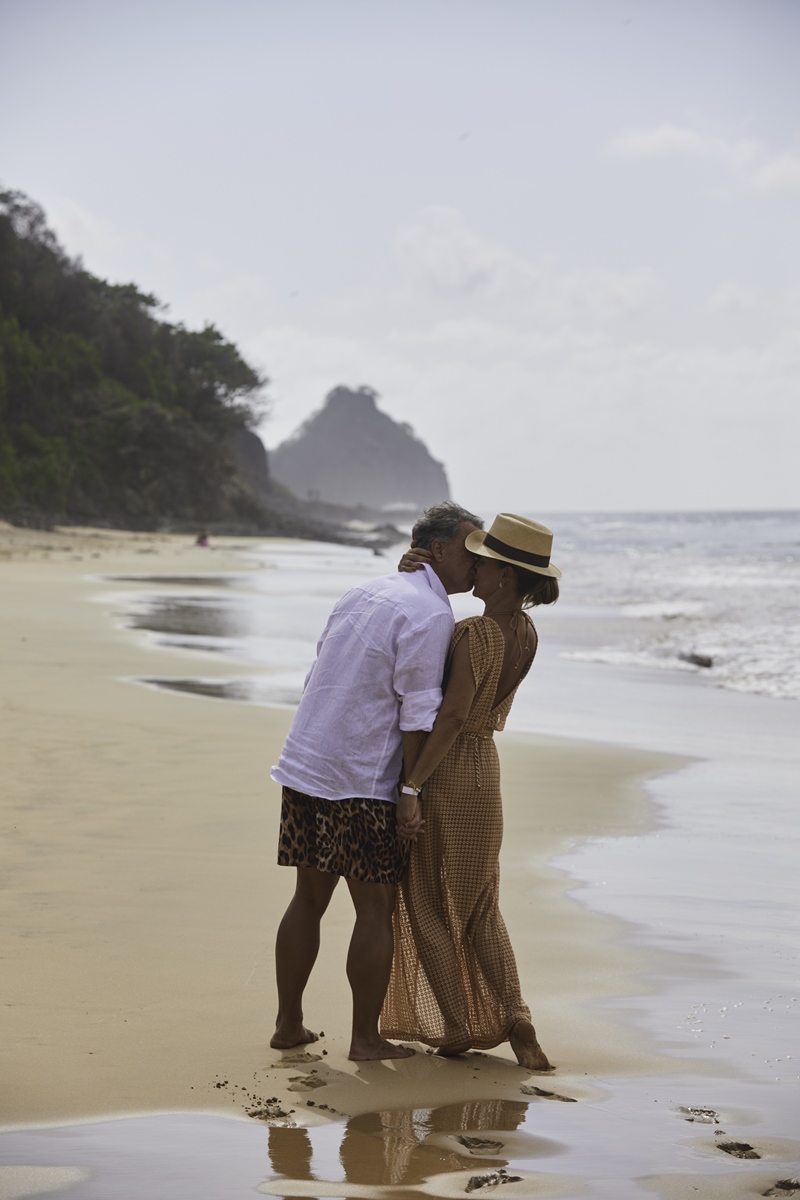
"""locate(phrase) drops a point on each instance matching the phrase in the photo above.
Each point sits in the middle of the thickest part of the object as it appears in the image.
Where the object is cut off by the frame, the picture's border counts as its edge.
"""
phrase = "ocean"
(715, 592)
(716, 595)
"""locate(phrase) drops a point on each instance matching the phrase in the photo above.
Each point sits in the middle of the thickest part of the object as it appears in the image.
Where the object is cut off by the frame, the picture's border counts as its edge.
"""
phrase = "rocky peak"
(351, 453)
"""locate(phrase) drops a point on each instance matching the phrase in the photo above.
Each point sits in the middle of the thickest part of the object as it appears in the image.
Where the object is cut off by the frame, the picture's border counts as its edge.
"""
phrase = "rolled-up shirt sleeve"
(419, 667)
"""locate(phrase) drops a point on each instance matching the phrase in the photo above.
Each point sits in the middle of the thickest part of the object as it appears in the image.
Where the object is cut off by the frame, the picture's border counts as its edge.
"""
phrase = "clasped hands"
(410, 821)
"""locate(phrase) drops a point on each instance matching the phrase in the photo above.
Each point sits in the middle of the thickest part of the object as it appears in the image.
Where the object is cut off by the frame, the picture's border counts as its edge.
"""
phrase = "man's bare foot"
(297, 1035)
(375, 1048)
(527, 1049)
(453, 1049)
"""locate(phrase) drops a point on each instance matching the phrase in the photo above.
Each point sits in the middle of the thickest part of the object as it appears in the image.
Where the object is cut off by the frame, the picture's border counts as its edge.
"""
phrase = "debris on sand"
(256, 1106)
(478, 1146)
(268, 1110)
(491, 1180)
(528, 1089)
(705, 1116)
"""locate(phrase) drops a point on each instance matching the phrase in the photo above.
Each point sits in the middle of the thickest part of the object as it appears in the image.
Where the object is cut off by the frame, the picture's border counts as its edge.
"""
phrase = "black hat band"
(535, 560)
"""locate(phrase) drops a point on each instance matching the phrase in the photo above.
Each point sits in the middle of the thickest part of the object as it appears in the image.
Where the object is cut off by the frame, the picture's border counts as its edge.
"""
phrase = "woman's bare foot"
(285, 1037)
(527, 1049)
(365, 1050)
(453, 1049)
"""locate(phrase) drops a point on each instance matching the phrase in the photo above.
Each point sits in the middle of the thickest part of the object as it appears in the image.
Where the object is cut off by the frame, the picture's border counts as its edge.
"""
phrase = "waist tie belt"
(475, 738)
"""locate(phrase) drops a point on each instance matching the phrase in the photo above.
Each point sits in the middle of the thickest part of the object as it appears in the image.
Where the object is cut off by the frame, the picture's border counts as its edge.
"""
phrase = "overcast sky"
(558, 237)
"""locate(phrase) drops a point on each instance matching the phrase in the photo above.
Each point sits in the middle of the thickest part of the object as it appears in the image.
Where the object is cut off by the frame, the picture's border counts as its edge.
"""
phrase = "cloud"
(77, 227)
(754, 165)
(730, 296)
(663, 142)
(447, 265)
(540, 385)
(112, 252)
(548, 387)
(442, 255)
(779, 174)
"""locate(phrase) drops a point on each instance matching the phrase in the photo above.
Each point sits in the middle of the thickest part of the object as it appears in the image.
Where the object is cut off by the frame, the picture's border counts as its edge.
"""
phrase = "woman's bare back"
(520, 638)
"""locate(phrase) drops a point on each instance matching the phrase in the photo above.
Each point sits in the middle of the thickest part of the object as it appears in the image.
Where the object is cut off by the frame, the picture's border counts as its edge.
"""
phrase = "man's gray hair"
(441, 522)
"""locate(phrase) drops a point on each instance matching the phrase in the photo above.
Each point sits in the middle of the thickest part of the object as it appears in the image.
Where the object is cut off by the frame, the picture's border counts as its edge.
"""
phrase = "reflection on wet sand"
(216, 689)
(185, 618)
(255, 689)
(237, 627)
(204, 581)
(401, 1148)
(290, 1153)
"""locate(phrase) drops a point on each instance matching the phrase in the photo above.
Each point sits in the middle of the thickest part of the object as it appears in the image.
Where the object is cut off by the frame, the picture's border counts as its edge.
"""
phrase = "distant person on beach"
(348, 810)
(202, 538)
(454, 982)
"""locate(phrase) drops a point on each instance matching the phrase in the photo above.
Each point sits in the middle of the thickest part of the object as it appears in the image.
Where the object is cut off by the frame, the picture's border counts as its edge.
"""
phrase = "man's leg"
(296, 950)
(369, 964)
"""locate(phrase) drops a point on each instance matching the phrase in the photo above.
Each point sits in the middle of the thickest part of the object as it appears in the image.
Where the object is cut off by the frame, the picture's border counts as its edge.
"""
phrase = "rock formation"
(250, 459)
(351, 453)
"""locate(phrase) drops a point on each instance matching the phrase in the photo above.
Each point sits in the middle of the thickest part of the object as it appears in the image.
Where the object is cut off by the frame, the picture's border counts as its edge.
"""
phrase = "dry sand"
(140, 893)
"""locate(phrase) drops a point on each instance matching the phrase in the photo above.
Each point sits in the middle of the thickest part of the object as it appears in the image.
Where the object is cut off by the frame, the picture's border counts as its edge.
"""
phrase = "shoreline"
(142, 900)
(140, 814)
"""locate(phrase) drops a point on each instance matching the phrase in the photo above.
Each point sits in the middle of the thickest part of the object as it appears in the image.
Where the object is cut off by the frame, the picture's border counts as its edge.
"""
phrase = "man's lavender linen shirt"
(378, 672)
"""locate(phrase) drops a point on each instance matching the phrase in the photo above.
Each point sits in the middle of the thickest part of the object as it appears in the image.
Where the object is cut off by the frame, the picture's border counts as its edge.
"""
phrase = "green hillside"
(108, 412)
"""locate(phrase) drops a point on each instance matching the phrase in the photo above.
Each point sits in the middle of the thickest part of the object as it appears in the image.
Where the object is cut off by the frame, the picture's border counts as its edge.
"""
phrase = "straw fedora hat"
(518, 541)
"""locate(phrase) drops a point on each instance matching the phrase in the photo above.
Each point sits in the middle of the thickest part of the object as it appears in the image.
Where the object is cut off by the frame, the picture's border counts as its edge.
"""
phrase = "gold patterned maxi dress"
(454, 977)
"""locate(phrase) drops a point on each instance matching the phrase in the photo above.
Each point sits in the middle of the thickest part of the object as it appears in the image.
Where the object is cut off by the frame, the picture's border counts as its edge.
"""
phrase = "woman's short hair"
(534, 588)
(441, 522)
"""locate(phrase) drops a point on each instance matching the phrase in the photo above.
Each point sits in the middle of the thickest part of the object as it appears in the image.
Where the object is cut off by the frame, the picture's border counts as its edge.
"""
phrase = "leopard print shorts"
(355, 838)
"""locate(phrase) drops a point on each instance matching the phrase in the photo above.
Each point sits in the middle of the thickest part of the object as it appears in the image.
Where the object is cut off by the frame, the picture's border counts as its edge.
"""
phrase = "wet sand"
(141, 895)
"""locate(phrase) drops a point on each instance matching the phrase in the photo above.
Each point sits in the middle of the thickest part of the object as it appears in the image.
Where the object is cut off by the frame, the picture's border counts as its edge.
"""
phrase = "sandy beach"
(140, 898)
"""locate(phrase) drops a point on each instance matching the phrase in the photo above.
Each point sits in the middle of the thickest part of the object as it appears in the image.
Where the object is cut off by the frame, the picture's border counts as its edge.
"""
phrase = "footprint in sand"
(528, 1089)
(305, 1083)
(738, 1149)
(479, 1146)
(705, 1116)
(292, 1060)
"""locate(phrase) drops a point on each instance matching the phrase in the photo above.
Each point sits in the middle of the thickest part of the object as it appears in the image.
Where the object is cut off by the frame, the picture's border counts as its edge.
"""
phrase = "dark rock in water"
(351, 453)
(697, 660)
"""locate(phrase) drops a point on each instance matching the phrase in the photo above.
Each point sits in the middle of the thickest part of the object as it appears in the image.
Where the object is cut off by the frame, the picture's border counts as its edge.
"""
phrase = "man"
(370, 698)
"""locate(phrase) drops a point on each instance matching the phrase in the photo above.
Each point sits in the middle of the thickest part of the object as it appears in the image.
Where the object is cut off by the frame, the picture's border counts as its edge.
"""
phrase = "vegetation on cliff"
(107, 411)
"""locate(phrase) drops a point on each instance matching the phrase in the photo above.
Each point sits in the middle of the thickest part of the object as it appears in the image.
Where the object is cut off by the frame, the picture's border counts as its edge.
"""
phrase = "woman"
(454, 981)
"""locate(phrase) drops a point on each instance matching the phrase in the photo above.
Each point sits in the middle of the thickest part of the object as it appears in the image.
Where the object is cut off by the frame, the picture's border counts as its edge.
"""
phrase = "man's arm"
(418, 670)
(419, 667)
(409, 817)
(458, 697)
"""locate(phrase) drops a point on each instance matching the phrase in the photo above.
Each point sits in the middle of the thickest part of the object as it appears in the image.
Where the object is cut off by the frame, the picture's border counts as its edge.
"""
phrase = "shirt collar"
(435, 583)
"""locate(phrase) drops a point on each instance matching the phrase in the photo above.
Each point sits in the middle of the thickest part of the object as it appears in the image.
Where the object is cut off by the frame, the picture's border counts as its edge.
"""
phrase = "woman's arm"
(458, 697)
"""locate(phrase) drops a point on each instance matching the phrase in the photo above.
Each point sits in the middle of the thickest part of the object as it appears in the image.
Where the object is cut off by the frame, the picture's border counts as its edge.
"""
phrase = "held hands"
(414, 559)
(410, 822)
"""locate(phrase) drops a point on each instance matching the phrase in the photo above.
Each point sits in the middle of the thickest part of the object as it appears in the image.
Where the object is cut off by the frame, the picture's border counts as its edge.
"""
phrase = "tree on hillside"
(107, 411)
